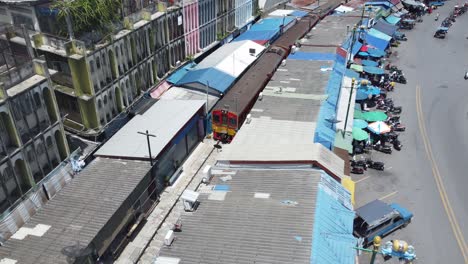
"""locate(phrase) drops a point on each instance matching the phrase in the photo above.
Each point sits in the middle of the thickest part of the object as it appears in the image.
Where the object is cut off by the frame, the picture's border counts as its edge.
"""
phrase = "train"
(232, 109)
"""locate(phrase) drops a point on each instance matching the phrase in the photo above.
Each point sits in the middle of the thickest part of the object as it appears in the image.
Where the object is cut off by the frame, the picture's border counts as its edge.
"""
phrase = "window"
(91, 66)
(49, 142)
(37, 100)
(98, 63)
(105, 99)
(379, 227)
(232, 121)
(216, 119)
(224, 119)
(99, 104)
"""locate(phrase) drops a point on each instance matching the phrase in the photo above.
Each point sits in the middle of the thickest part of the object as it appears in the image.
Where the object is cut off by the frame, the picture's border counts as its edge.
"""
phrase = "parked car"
(379, 219)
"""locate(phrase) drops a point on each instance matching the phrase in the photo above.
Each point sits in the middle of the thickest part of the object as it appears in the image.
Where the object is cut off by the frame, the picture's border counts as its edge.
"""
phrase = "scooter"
(357, 170)
(383, 149)
(397, 145)
(376, 165)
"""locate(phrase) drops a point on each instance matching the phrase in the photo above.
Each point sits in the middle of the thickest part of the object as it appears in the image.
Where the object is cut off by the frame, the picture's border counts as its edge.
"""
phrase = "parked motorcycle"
(397, 145)
(357, 170)
(383, 149)
(376, 165)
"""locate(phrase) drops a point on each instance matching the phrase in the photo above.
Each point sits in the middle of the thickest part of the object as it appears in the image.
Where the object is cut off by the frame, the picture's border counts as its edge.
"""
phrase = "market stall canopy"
(358, 114)
(379, 127)
(379, 34)
(369, 63)
(359, 123)
(361, 95)
(413, 3)
(373, 70)
(359, 134)
(373, 116)
(385, 27)
(376, 53)
(376, 41)
(369, 89)
(356, 67)
(392, 19)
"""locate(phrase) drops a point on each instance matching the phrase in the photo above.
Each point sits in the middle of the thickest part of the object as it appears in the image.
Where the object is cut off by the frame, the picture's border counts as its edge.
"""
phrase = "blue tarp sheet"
(324, 132)
(376, 42)
(356, 46)
(379, 34)
(271, 23)
(332, 238)
(385, 27)
(298, 13)
(266, 35)
(392, 19)
(312, 56)
(379, 3)
(180, 73)
(333, 87)
(218, 80)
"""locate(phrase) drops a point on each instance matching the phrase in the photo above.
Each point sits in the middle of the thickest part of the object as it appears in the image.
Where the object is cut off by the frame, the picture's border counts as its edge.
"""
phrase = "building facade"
(99, 76)
(32, 139)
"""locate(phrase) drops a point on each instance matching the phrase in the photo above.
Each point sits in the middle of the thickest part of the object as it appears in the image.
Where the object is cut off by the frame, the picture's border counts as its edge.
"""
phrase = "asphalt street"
(435, 67)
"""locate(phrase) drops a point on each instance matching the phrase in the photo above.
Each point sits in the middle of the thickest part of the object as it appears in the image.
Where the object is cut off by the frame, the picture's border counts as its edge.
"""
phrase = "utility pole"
(148, 135)
(349, 104)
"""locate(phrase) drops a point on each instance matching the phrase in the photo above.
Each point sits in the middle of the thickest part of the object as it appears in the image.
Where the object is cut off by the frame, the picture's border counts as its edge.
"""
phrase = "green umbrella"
(359, 134)
(356, 67)
(374, 116)
(358, 114)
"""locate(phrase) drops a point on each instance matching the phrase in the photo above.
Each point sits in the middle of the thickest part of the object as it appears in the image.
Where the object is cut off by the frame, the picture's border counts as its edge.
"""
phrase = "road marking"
(388, 195)
(360, 180)
(438, 179)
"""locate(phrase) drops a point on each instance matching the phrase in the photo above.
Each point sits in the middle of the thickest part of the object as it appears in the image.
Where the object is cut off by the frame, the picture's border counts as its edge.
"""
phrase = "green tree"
(87, 15)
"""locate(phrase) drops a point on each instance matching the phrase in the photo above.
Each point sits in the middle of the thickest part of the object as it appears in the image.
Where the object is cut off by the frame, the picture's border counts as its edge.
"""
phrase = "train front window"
(216, 119)
(232, 122)
(224, 119)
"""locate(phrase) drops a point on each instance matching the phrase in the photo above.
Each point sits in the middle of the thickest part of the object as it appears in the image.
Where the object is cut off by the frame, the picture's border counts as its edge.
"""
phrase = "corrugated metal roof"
(164, 119)
(180, 73)
(317, 56)
(180, 93)
(222, 67)
(244, 229)
(78, 212)
(333, 241)
(376, 42)
(272, 23)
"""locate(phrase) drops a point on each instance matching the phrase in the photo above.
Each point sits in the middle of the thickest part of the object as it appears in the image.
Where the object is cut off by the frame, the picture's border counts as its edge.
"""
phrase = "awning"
(373, 116)
(359, 134)
(385, 27)
(356, 46)
(392, 19)
(373, 70)
(376, 53)
(376, 42)
(361, 95)
(359, 123)
(379, 34)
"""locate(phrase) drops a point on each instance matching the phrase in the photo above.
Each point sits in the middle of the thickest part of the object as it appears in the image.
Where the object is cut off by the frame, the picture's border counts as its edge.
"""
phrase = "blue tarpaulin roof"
(180, 73)
(356, 46)
(332, 236)
(258, 35)
(376, 42)
(392, 19)
(385, 27)
(271, 23)
(313, 56)
(217, 79)
(379, 34)
(379, 3)
(298, 13)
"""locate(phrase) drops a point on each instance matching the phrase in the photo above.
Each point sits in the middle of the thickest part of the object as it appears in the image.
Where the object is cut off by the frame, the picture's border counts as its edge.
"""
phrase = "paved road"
(436, 66)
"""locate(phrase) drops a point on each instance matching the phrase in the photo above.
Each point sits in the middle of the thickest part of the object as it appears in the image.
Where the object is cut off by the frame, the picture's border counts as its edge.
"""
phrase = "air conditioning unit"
(206, 174)
(190, 199)
(260, 95)
(293, 49)
(177, 64)
(169, 238)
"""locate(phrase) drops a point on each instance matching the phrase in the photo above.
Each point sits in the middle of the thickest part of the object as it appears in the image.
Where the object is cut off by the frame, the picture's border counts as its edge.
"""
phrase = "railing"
(17, 74)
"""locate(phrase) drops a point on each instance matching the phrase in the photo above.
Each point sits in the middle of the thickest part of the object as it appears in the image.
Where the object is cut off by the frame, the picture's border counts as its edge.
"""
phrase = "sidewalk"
(166, 213)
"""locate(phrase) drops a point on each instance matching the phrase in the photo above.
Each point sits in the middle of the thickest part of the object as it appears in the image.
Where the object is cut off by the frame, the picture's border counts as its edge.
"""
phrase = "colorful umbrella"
(373, 70)
(358, 114)
(356, 67)
(369, 89)
(376, 53)
(359, 134)
(364, 48)
(379, 127)
(363, 53)
(373, 116)
(369, 63)
(361, 94)
(359, 123)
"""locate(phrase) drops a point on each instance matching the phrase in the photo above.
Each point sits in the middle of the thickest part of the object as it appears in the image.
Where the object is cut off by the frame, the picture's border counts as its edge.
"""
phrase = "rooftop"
(164, 119)
(77, 214)
(267, 216)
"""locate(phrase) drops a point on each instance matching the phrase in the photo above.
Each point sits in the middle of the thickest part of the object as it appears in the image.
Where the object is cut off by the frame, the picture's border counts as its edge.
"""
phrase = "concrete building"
(100, 75)
(32, 139)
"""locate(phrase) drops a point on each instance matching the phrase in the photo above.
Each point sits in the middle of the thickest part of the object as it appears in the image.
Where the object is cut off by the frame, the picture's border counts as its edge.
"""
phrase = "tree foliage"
(88, 15)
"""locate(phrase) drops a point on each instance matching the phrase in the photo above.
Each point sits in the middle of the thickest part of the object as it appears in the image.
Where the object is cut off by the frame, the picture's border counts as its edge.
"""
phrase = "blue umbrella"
(370, 89)
(376, 53)
(369, 63)
(361, 95)
(359, 123)
(363, 53)
(373, 70)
